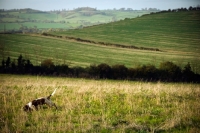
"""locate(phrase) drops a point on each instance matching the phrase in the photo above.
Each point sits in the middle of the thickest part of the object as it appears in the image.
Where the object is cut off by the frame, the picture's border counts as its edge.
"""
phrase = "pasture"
(175, 34)
(99, 105)
(62, 51)
(171, 31)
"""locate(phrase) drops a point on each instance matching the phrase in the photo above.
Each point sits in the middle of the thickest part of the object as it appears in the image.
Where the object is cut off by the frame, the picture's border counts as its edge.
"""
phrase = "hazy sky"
(99, 4)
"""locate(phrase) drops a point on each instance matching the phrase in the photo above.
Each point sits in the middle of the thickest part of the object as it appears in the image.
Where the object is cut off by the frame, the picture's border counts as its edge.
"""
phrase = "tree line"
(197, 8)
(167, 71)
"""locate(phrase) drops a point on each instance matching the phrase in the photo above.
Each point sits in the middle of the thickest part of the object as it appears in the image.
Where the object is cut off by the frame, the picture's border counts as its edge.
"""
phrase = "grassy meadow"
(99, 105)
(102, 105)
(175, 34)
(171, 31)
(38, 48)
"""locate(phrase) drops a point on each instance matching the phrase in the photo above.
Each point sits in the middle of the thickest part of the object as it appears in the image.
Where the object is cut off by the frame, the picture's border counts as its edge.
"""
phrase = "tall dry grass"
(99, 105)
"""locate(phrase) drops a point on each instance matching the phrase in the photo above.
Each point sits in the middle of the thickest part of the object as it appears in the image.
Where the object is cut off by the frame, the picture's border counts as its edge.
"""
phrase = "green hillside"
(25, 19)
(173, 31)
(38, 48)
(176, 35)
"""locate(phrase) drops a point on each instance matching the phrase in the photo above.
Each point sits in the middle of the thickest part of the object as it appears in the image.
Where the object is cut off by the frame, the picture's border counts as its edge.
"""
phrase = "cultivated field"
(60, 50)
(99, 105)
(175, 34)
(171, 31)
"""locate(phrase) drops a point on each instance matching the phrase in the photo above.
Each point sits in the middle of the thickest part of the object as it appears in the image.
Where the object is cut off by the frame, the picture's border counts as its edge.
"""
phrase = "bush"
(145, 72)
(104, 71)
(188, 75)
(169, 71)
(48, 63)
(93, 71)
(119, 72)
(48, 66)
(62, 70)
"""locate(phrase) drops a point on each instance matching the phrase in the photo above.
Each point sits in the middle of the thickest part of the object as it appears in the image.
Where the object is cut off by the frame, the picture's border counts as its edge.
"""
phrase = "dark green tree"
(19, 61)
(28, 66)
(13, 67)
(170, 71)
(93, 71)
(8, 63)
(104, 71)
(20, 64)
(188, 75)
(119, 72)
(48, 66)
(3, 64)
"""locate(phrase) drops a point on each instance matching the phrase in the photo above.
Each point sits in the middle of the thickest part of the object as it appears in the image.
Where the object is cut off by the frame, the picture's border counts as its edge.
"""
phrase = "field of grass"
(99, 106)
(175, 34)
(38, 48)
(166, 31)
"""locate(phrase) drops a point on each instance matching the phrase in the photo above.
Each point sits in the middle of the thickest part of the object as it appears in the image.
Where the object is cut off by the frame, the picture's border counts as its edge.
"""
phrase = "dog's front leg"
(55, 105)
(36, 108)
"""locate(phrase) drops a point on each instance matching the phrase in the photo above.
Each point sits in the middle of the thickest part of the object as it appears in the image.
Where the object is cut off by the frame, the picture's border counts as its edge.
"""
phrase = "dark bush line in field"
(167, 71)
(102, 43)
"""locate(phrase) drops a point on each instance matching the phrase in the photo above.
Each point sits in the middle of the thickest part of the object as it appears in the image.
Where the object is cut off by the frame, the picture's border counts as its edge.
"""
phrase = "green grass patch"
(175, 34)
(178, 32)
(98, 105)
(38, 48)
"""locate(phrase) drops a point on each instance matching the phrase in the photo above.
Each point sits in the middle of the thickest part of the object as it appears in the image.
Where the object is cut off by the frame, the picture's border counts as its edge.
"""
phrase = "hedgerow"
(167, 71)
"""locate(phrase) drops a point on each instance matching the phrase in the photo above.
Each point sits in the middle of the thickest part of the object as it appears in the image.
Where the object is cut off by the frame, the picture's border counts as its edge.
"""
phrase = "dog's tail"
(52, 94)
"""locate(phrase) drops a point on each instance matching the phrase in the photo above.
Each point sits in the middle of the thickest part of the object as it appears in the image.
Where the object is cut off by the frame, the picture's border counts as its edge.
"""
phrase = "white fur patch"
(29, 104)
(39, 98)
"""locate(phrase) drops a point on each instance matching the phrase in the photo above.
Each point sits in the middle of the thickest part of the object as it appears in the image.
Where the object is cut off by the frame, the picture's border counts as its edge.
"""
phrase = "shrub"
(93, 71)
(145, 72)
(104, 71)
(188, 75)
(47, 66)
(119, 72)
(170, 72)
(48, 63)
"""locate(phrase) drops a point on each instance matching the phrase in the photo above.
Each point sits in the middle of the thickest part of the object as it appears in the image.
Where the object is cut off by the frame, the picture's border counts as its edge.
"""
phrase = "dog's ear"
(25, 108)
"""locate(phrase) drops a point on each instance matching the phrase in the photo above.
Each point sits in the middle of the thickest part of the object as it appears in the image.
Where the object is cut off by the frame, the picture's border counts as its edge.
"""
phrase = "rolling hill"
(28, 19)
(175, 34)
(169, 31)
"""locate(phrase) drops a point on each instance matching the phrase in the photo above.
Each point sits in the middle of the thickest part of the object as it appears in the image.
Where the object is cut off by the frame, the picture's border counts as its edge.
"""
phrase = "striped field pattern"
(175, 34)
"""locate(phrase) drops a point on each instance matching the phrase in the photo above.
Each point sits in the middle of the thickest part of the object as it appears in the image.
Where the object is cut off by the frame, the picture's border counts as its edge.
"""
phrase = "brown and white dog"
(40, 101)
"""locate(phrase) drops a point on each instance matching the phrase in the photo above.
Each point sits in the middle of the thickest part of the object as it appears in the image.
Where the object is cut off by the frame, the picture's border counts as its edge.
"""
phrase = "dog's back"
(39, 101)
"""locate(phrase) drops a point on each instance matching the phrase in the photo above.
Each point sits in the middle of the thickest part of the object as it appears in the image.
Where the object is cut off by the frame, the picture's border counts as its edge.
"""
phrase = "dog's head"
(27, 107)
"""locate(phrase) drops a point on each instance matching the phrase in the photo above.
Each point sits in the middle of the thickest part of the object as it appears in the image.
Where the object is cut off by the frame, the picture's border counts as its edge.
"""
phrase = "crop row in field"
(98, 105)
